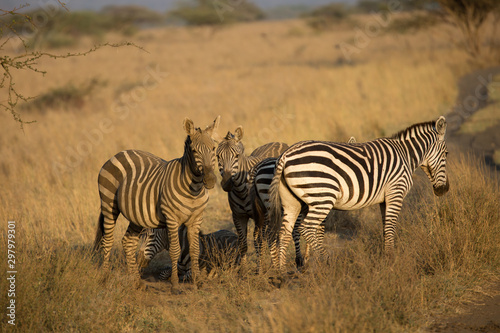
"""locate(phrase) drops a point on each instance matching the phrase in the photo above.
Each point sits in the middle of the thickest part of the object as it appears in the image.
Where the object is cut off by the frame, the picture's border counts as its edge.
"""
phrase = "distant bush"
(370, 6)
(207, 12)
(413, 23)
(69, 96)
(324, 17)
(133, 15)
(376, 6)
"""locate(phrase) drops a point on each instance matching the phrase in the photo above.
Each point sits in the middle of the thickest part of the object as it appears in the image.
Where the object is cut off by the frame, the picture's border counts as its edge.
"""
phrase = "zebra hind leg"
(258, 242)
(291, 209)
(313, 230)
(300, 260)
(129, 242)
(105, 236)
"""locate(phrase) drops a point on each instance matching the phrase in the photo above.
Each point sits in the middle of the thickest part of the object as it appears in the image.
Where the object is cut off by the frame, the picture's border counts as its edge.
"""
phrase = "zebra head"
(200, 149)
(228, 154)
(434, 164)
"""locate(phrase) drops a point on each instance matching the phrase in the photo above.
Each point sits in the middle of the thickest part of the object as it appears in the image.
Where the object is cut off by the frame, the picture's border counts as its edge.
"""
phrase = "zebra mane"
(401, 135)
(229, 136)
(189, 158)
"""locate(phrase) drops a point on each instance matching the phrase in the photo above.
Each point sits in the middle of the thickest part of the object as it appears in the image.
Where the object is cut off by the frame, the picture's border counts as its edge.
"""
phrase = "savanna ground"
(283, 82)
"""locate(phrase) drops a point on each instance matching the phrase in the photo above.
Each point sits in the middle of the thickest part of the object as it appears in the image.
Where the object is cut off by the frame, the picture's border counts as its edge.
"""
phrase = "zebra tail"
(275, 217)
(99, 233)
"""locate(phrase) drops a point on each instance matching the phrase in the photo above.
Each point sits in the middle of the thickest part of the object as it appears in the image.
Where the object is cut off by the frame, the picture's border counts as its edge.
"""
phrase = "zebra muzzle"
(226, 183)
(209, 180)
(442, 189)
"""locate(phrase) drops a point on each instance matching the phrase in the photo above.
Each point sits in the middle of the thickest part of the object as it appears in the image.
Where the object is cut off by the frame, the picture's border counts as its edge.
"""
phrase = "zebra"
(151, 192)
(234, 167)
(259, 183)
(328, 175)
(215, 250)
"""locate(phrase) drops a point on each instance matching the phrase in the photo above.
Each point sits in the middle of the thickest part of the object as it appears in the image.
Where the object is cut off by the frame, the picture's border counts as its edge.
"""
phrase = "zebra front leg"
(194, 252)
(174, 253)
(241, 224)
(129, 242)
(390, 212)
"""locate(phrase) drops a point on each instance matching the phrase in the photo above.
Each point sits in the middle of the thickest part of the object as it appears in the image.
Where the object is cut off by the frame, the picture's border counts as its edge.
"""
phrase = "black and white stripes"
(235, 166)
(327, 175)
(151, 192)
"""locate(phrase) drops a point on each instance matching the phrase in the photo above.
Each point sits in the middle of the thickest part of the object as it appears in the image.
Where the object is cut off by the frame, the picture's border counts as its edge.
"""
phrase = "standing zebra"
(235, 167)
(215, 250)
(327, 175)
(152, 193)
(259, 183)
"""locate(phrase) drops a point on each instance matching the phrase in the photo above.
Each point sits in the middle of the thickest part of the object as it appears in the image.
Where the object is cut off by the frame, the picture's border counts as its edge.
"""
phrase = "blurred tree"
(325, 16)
(371, 6)
(217, 12)
(15, 29)
(470, 15)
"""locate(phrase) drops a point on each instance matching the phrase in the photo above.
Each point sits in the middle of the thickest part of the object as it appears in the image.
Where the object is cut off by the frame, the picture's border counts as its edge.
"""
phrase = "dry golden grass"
(282, 82)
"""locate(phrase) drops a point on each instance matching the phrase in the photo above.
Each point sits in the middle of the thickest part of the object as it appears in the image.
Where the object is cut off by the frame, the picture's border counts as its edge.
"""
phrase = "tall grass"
(280, 88)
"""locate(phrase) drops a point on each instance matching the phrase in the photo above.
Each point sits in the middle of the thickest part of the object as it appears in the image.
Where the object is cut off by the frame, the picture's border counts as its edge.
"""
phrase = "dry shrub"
(69, 96)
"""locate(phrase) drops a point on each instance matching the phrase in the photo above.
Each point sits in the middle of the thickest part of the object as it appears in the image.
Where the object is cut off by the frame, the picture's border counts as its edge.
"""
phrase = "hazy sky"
(160, 5)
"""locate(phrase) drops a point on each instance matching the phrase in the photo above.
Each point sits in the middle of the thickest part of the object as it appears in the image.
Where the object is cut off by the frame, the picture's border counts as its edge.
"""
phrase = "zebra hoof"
(103, 279)
(176, 291)
(139, 285)
(299, 261)
(198, 284)
(276, 282)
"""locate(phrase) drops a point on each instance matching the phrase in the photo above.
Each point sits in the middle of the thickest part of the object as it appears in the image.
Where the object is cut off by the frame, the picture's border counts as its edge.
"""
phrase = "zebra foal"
(234, 167)
(328, 175)
(215, 249)
(151, 192)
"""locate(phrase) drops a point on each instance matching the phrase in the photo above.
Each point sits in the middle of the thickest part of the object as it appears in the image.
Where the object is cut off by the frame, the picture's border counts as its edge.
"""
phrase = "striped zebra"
(216, 249)
(150, 193)
(327, 175)
(234, 167)
(259, 183)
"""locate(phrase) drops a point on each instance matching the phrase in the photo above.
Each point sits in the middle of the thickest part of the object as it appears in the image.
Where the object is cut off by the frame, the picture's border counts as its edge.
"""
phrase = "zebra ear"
(238, 133)
(188, 126)
(215, 124)
(441, 126)
(212, 129)
(352, 140)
